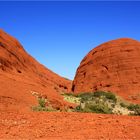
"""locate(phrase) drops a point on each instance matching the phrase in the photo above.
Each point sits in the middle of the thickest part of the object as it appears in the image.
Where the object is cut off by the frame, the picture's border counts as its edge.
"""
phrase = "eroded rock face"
(113, 66)
(20, 74)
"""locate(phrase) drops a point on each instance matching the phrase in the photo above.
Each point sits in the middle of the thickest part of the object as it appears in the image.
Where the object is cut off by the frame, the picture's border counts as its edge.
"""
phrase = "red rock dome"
(21, 75)
(113, 66)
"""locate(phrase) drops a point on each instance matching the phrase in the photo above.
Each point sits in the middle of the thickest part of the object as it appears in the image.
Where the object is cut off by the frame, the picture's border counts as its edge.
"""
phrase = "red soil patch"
(65, 126)
(113, 66)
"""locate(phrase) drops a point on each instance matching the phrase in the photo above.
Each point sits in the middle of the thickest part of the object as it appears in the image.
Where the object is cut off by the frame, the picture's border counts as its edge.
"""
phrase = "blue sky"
(60, 34)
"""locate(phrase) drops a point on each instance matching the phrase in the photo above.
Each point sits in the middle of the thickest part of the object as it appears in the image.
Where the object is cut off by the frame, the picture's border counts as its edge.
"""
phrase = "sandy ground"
(68, 126)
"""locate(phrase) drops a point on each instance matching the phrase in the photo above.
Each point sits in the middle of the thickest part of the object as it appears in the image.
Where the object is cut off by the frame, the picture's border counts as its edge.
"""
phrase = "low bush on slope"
(96, 102)
(102, 102)
(135, 108)
(43, 105)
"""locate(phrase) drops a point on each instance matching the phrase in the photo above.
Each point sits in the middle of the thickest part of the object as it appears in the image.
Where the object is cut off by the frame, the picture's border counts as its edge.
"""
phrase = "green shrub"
(42, 106)
(46, 109)
(107, 95)
(85, 96)
(42, 102)
(123, 105)
(100, 108)
(132, 107)
(103, 102)
(98, 94)
(135, 108)
(94, 107)
(97, 102)
(78, 109)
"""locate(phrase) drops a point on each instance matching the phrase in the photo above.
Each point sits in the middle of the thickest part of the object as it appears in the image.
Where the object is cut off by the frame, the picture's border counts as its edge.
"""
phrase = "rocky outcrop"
(113, 66)
(13, 58)
(20, 74)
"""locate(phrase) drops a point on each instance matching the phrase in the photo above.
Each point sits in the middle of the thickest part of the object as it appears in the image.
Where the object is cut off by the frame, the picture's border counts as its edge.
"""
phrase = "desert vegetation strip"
(102, 102)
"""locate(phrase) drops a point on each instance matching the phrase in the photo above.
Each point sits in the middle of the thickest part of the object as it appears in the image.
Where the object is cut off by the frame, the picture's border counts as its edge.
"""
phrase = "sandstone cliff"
(21, 74)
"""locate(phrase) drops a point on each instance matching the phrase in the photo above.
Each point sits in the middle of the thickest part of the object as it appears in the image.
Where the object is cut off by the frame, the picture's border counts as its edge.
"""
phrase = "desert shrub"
(135, 108)
(96, 102)
(100, 108)
(42, 106)
(132, 107)
(95, 107)
(46, 109)
(98, 94)
(78, 109)
(41, 102)
(86, 96)
(123, 105)
(107, 95)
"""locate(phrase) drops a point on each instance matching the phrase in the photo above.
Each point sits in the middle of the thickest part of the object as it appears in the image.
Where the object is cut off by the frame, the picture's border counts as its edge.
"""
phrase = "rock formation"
(113, 66)
(21, 74)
